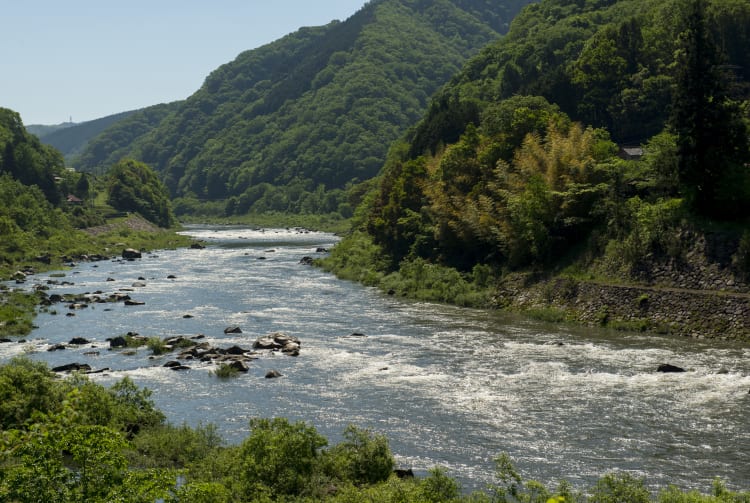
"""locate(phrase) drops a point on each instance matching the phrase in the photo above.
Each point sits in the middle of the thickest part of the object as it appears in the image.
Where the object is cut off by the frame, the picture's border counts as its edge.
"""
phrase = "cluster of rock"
(190, 349)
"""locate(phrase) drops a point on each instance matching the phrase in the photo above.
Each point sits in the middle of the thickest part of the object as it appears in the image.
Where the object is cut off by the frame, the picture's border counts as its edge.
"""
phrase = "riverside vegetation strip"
(68, 439)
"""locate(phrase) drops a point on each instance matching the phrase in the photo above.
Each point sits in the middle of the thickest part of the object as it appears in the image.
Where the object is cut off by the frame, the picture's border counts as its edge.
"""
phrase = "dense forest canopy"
(26, 159)
(516, 162)
(311, 112)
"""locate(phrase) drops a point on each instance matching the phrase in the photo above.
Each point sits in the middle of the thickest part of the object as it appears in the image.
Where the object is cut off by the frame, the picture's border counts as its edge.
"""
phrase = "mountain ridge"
(314, 110)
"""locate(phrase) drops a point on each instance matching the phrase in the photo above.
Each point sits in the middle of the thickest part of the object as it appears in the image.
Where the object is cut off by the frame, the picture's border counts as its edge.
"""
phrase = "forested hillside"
(71, 140)
(314, 110)
(110, 145)
(43, 205)
(517, 164)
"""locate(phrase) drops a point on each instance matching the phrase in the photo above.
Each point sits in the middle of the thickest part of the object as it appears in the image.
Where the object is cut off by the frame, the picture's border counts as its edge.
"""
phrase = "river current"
(449, 387)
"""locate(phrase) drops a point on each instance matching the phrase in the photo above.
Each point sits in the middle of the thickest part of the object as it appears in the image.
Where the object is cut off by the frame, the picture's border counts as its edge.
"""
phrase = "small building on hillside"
(71, 199)
(631, 153)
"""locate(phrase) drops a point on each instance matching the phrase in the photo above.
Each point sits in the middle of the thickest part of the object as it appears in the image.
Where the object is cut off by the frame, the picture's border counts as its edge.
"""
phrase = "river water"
(449, 387)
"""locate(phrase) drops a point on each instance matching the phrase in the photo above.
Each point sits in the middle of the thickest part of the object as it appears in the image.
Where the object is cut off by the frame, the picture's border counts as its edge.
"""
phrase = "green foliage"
(62, 460)
(134, 408)
(363, 458)
(26, 388)
(225, 371)
(547, 314)
(712, 137)
(157, 346)
(178, 447)
(17, 311)
(614, 488)
(419, 279)
(279, 455)
(25, 159)
(356, 258)
(133, 186)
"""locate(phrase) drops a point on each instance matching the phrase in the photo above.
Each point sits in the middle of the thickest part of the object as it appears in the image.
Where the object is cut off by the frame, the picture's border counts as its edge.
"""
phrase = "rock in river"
(667, 367)
(130, 254)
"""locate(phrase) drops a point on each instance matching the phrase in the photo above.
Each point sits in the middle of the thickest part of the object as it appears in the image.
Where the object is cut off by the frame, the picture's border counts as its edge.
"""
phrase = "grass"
(157, 346)
(225, 371)
(17, 311)
(547, 314)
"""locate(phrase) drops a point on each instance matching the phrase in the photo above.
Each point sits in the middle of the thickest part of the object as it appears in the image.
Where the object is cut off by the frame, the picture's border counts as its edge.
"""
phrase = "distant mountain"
(42, 130)
(312, 111)
(71, 138)
(114, 142)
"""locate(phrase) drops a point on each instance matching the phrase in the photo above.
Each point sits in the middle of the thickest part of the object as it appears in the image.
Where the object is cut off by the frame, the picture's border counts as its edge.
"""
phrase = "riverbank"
(634, 308)
(700, 291)
(450, 387)
(17, 308)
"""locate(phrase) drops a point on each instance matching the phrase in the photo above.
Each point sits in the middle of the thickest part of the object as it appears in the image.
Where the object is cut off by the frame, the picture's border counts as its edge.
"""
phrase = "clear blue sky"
(87, 59)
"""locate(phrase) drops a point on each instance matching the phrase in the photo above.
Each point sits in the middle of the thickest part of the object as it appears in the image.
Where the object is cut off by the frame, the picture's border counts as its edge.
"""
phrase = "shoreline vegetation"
(671, 305)
(66, 438)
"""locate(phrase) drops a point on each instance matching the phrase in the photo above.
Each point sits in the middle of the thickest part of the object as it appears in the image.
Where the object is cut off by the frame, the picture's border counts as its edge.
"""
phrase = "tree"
(712, 140)
(279, 455)
(133, 186)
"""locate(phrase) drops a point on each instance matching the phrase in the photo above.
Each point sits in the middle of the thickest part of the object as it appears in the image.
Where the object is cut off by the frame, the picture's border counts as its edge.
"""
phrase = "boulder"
(138, 284)
(130, 254)
(266, 343)
(235, 350)
(291, 349)
(667, 367)
(239, 365)
(78, 341)
(283, 339)
(233, 330)
(118, 342)
(72, 367)
(272, 374)
(172, 363)
(130, 302)
(196, 246)
(56, 347)
(180, 367)
(306, 260)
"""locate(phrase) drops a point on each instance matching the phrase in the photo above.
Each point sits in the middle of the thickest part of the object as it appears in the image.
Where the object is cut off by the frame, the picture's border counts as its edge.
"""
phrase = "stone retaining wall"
(694, 313)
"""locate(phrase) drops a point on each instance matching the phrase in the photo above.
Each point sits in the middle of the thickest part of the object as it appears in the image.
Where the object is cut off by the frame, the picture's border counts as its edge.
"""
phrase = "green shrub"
(225, 371)
(617, 488)
(168, 446)
(548, 314)
(279, 455)
(157, 345)
(17, 311)
(362, 458)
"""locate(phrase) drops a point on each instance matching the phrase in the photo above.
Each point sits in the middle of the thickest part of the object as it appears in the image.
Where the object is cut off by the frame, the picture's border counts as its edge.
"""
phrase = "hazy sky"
(87, 59)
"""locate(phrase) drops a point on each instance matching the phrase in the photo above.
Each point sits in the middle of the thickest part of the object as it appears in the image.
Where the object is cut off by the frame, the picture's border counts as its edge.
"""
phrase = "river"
(449, 387)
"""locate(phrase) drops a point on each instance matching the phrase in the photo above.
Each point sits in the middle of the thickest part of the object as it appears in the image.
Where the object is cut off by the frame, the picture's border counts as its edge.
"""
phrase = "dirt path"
(133, 222)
